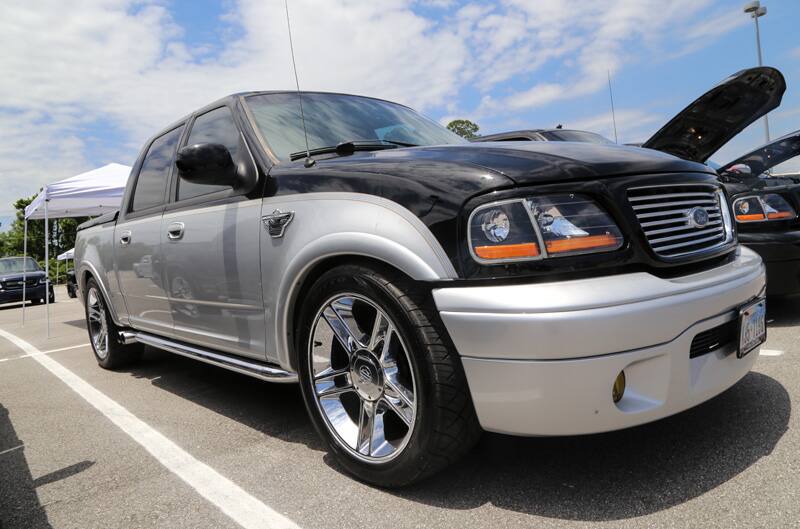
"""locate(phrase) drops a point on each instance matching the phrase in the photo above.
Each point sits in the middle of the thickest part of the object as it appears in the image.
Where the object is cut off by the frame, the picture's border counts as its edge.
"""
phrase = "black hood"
(764, 158)
(521, 162)
(708, 123)
(17, 276)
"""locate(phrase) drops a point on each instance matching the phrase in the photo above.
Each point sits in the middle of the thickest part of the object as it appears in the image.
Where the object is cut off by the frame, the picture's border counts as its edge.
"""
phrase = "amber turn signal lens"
(779, 215)
(582, 243)
(750, 217)
(508, 251)
(618, 389)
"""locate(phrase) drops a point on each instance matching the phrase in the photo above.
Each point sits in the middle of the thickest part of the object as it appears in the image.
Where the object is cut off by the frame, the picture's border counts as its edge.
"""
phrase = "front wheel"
(383, 387)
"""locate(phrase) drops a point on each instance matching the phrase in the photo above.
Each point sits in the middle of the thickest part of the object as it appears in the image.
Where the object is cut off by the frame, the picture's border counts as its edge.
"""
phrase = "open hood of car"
(709, 122)
(765, 157)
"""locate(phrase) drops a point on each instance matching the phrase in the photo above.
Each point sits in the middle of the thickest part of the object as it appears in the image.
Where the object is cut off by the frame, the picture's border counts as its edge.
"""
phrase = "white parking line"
(45, 352)
(244, 509)
(770, 352)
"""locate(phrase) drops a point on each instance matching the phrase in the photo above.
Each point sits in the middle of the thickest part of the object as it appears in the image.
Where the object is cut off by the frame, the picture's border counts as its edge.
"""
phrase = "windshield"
(13, 265)
(333, 118)
(575, 135)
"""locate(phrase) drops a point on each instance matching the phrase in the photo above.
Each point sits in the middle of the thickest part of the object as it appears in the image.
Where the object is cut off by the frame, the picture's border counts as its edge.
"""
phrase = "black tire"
(109, 352)
(444, 426)
(36, 302)
(52, 297)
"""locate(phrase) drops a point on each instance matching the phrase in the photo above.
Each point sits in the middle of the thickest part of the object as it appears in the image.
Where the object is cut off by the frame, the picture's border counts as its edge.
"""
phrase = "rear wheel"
(383, 388)
(103, 332)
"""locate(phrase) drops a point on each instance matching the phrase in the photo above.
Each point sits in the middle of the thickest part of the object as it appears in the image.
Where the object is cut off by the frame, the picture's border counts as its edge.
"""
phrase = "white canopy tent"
(88, 194)
(66, 256)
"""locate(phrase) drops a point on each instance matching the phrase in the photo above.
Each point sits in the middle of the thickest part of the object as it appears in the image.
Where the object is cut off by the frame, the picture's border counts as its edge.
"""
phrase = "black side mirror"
(207, 163)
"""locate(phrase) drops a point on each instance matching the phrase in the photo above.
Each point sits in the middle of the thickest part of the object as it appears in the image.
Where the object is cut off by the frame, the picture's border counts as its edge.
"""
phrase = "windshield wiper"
(349, 147)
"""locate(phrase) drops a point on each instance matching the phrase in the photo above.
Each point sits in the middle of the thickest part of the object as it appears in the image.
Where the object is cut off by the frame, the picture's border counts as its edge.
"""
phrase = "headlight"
(541, 227)
(761, 208)
(42, 281)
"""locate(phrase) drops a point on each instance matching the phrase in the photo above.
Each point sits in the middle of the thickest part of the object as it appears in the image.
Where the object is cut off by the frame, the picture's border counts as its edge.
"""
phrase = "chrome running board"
(238, 364)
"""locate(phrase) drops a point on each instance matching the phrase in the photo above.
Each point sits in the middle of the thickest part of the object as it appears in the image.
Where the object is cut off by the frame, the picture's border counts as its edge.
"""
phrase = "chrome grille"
(680, 220)
(14, 284)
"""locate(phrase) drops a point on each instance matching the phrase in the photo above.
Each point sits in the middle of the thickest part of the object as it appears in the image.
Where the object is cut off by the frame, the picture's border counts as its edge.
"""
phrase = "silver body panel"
(331, 224)
(541, 359)
(232, 286)
(213, 277)
(140, 272)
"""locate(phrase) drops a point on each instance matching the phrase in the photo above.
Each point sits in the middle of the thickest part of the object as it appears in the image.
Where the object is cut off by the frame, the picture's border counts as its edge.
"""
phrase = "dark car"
(765, 207)
(547, 135)
(16, 270)
(72, 286)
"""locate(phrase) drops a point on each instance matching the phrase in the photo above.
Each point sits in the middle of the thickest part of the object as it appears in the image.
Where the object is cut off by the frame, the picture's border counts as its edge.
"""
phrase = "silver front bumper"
(541, 358)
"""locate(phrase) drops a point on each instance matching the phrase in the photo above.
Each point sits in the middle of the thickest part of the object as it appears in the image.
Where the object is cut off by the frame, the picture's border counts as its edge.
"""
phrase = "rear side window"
(216, 126)
(154, 174)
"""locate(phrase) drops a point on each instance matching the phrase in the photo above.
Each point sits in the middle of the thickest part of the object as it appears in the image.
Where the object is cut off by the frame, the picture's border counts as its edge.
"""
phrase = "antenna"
(613, 115)
(309, 161)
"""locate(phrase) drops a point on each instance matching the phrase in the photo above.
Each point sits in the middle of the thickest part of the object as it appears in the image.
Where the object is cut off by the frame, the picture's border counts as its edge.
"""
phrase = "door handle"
(125, 237)
(175, 231)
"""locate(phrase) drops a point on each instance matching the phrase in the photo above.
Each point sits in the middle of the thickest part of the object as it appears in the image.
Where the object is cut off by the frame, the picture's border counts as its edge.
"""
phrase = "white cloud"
(67, 65)
(633, 125)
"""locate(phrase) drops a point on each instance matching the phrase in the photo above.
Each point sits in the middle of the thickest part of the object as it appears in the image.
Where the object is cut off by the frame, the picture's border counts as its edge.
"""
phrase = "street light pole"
(756, 10)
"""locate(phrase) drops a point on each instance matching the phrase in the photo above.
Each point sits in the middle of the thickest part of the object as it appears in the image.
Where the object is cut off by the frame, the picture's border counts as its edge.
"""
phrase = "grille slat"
(673, 229)
(672, 221)
(657, 241)
(664, 213)
(668, 195)
(675, 212)
(639, 207)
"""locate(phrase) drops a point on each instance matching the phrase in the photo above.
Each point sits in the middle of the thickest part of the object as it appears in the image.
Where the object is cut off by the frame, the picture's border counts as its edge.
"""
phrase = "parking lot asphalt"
(66, 461)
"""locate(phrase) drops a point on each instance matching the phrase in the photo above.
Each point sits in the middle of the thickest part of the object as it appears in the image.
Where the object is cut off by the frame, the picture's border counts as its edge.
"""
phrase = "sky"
(84, 83)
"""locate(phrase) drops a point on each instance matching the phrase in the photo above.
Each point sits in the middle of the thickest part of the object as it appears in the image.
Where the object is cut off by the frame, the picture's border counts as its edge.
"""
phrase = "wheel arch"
(337, 227)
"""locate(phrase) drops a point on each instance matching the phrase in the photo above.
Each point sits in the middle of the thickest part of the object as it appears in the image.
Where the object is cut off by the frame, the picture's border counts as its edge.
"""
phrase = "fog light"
(619, 387)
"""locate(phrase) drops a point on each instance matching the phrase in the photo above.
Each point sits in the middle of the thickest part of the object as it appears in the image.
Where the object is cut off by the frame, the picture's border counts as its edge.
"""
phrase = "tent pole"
(24, 266)
(47, 265)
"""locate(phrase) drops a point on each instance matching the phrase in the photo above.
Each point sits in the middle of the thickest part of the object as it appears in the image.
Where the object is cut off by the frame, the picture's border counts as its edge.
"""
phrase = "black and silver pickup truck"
(421, 288)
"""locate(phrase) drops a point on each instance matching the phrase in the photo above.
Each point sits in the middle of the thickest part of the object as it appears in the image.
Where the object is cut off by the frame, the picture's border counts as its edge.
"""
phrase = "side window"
(151, 185)
(216, 126)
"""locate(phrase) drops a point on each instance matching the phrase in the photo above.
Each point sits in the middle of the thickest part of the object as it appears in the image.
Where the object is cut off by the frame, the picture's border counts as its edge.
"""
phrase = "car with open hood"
(421, 288)
(765, 206)
(701, 129)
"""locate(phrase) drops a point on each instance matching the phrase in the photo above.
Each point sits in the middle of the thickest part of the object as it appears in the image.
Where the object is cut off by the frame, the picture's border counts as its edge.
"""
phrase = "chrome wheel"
(363, 381)
(96, 319)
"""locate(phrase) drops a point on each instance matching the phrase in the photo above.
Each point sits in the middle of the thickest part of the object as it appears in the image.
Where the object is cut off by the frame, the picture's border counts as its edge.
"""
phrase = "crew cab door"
(137, 239)
(210, 239)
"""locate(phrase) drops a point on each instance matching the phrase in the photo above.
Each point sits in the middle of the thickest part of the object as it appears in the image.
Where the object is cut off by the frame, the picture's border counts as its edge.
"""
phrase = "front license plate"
(752, 326)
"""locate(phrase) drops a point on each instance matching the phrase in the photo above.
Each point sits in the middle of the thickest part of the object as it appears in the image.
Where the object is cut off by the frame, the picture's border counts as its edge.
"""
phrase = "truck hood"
(521, 162)
(709, 122)
(764, 158)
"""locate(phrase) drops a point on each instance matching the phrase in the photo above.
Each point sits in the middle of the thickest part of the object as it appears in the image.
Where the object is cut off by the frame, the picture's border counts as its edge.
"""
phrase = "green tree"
(62, 234)
(464, 128)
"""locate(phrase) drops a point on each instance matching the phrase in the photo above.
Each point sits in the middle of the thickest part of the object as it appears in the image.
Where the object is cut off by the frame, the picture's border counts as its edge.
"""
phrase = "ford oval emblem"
(698, 217)
(365, 374)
